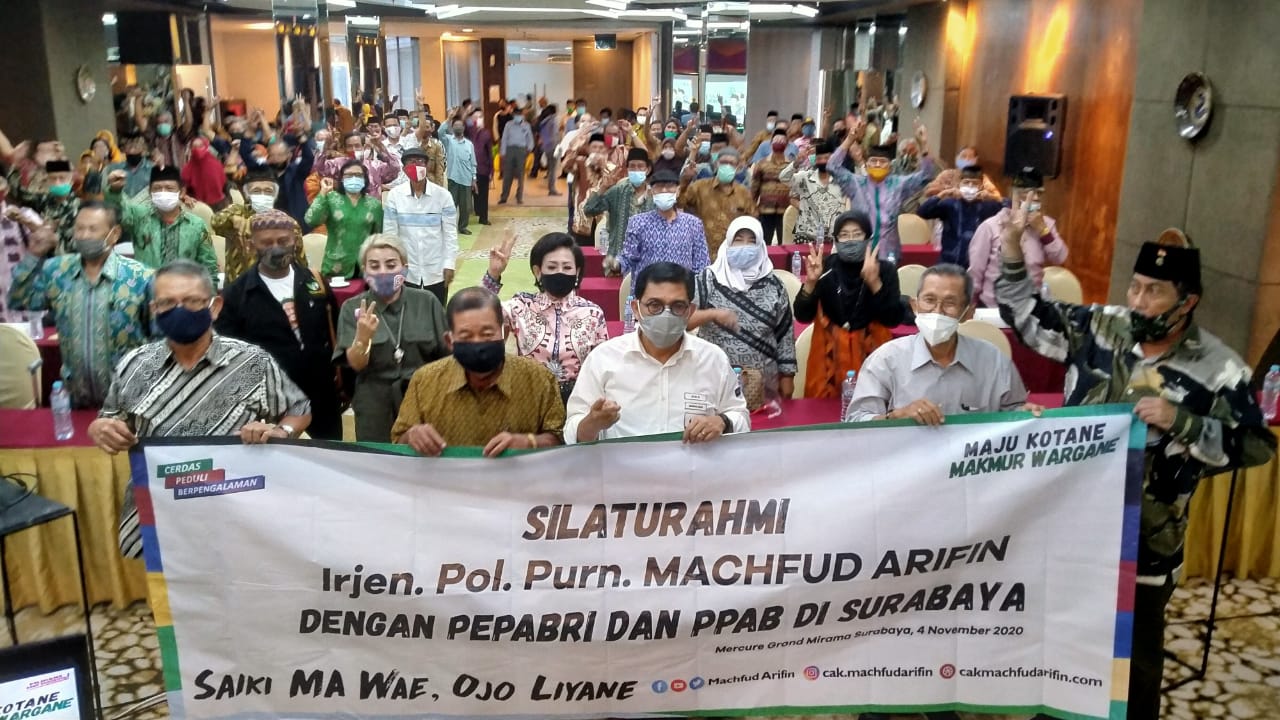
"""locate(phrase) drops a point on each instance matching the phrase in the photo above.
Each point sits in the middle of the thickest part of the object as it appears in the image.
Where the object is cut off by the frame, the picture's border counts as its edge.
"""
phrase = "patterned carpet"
(1243, 680)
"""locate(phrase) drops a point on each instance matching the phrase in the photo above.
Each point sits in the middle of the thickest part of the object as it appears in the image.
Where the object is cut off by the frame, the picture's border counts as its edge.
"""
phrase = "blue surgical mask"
(664, 201)
(742, 257)
(962, 163)
(353, 184)
(704, 147)
(807, 131)
(636, 177)
(163, 129)
(725, 173)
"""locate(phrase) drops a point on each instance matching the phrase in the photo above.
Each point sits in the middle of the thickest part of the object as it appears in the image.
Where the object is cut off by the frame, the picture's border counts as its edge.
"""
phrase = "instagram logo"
(947, 671)
(811, 672)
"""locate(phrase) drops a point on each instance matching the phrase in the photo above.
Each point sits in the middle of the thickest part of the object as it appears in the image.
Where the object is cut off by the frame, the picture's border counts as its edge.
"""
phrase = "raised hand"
(812, 267)
(871, 270)
(500, 255)
(326, 185)
(366, 322)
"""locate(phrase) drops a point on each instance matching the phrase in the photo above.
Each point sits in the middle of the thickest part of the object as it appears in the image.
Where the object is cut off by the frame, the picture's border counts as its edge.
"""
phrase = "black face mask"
(134, 159)
(558, 285)
(480, 357)
(275, 259)
(1153, 329)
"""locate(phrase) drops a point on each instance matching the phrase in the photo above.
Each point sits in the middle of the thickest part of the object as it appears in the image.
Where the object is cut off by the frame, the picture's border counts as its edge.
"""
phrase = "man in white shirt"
(423, 216)
(937, 372)
(659, 379)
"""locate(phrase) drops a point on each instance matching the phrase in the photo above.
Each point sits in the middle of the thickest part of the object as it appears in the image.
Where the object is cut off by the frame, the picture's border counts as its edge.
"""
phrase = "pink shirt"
(984, 254)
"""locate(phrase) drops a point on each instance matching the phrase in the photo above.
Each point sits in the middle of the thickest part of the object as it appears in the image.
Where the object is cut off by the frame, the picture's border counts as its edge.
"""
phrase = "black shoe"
(464, 231)
(485, 222)
(519, 201)
(502, 201)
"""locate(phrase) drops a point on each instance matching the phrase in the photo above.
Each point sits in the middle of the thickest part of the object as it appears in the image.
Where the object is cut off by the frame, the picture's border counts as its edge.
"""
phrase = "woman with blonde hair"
(385, 334)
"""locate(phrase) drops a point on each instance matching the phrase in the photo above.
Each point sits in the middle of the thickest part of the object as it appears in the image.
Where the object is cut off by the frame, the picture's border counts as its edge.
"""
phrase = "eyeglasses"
(194, 304)
(656, 307)
(878, 162)
(950, 306)
(851, 235)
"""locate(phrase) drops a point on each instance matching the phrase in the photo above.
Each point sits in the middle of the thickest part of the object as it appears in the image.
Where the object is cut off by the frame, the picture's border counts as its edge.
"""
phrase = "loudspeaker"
(606, 42)
(1033, 137)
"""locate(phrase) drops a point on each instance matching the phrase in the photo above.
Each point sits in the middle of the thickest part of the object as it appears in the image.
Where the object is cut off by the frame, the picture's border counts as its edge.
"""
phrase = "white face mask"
(261, 202)
(668, 153)
(936, 328)
(968, 192)
(664, 201)
(164, 201)
(393, 131)
(319, 146)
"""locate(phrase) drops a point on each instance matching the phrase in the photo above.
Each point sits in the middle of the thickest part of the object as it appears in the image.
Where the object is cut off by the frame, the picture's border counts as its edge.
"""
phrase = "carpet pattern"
(1243, 680)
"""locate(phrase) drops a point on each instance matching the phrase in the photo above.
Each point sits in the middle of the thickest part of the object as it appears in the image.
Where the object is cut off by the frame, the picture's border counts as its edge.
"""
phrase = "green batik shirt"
(156, 243)
(621, 203)
(97, 323)
(1218, 425)
(59, 213)
(232, 223)
(348, 225)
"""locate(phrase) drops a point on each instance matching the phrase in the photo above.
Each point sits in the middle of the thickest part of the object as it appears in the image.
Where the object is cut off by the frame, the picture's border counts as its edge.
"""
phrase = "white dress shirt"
(427, 224)
(656, 397)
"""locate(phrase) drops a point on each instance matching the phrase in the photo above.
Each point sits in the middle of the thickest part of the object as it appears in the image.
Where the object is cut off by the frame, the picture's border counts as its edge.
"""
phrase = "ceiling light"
(424, 7)
(691, 23)
(108, 18)
(782, 9)
(448, 11)
(902, 30)
(363, 20)
(724, 7)
(728, 26)
(468, 29)
(260, 26)
(340, 3)
(688, 31)
(673, 14)
(617, 5)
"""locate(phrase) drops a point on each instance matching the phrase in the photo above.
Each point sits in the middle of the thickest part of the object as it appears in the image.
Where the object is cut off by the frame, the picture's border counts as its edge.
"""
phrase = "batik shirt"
(58, 213)
(882, 201)
(820, 203)
(1218, 424)
(97, 323)
(556, 333)
(621, 202)
(156, 242)
(349, 224)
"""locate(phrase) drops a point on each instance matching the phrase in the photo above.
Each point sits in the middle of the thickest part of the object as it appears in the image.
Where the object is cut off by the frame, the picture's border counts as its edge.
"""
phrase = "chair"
(914, 230)
(20, 371)
(1064, 286)
(236, 196)
(790, 282)
(803, 343)
(623, 291)
(204, 212)
(986, 331)
(909, 279)
(789, 218)
(220, 249)
(313, 244)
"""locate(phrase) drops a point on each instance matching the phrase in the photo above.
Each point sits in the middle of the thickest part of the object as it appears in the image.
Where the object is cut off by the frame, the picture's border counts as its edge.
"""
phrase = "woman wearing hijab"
(554, 326)
(744, 309)
(113, 151)
(204, 176)
(852, 299)
(667, 158)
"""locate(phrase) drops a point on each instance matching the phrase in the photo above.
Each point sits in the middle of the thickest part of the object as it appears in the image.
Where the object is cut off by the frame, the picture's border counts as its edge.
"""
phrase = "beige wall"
(1224, 189)
(603, 77)
(244, 64)
(431, 59)
(642, 88)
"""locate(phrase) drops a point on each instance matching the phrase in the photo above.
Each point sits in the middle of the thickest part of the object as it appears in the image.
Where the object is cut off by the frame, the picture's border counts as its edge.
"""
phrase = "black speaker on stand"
(1033, 136)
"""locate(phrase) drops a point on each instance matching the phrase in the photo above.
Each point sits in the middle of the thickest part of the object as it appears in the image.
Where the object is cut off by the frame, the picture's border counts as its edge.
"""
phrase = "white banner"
(975, 566)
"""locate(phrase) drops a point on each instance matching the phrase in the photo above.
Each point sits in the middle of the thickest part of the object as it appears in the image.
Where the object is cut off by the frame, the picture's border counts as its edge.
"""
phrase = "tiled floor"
(1243, 680)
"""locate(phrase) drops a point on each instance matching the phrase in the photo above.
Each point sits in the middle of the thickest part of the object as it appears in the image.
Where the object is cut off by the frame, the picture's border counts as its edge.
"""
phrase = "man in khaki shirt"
(480, 396)
(717, 200)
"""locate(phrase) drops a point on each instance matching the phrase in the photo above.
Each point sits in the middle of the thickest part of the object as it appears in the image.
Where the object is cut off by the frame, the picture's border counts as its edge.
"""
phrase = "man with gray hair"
(936, 372)
(193, 383)
(719, 199)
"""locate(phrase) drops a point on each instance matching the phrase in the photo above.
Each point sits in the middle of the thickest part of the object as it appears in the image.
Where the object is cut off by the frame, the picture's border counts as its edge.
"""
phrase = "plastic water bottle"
(737, 374)
(60, 401)
(846, 393)
(628, 316)
(37, 326)
(796, 263)
(1045, 292)
(1271, 393)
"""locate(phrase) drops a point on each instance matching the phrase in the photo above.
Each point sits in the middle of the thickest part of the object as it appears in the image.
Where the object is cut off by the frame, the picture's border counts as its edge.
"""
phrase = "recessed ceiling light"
(468, 29)
(108, 18)
(260, 26)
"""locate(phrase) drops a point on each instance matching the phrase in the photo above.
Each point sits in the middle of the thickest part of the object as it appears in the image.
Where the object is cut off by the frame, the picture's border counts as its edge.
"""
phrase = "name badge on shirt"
(697, 405)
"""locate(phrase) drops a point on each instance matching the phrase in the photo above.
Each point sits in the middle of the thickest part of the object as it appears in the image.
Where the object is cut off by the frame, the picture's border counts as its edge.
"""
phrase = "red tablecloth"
(34, 428)
(602, 291)
(780, 255)
(1039, 373)
(594, 265)
(342, 294)
(925, 255)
